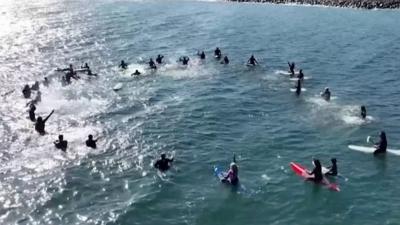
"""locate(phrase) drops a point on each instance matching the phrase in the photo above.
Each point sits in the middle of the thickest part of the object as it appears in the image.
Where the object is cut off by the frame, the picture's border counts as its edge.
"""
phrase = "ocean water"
(202, 114)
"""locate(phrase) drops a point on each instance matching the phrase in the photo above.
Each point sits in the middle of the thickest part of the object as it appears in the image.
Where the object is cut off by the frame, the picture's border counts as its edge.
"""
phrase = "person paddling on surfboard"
(291, 68)
(252, 61)
(217, 53)
(363, 112)
(232, 174)
(381, 146)
(332, 169)
(326, 94)
(317, 171)
(163, 164)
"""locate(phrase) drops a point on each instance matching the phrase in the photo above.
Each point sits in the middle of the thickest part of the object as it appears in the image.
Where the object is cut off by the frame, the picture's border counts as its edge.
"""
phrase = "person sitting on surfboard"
(332, 169)
(381, 146)
(123, 65)
(291, 67)
(232, 174)
(326, 94)
(252, 61)
(317, 171)
(217, 53)
(26, 91)
(163, 164)
(90, 142)
(363, 112)
(152, 65)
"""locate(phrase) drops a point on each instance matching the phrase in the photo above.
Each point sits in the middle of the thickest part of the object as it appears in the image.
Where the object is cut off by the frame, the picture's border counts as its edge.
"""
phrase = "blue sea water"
(202, 114)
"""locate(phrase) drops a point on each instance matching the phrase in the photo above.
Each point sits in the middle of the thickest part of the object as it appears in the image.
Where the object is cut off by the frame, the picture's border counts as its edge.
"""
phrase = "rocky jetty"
(365, 4)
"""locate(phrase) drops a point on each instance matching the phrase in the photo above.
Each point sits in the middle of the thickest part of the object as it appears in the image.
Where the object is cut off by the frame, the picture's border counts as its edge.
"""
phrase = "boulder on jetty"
(365, 4)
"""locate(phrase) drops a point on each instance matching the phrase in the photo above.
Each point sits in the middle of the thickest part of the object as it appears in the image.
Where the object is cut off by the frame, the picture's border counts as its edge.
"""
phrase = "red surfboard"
(302, 172)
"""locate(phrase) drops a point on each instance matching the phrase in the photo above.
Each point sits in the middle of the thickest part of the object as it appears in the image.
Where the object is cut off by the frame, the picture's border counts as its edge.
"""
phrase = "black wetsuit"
(226, 60)
(159, 59)
(332, 170)
(91, 143)
(381, 146)
(217, 53)
(185, 60)
(26, 92)
(317, 174)
(152, 64)
(202, 56)
(32, 115)
(298, 87)
(301, 76)
(163, 164)
(61, 145)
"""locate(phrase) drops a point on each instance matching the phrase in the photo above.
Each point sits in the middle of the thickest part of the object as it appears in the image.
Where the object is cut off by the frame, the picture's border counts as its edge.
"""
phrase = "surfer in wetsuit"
(163, 164)
(90, 142)
(232, 174)
(61, 143)
(184, 60)
(46, 82)
(26, 91)
(326, 94)
(381, 146)
(226, 60)
(32, 109)
(291, 68)
(136, 73)
(41, 123)
(298, 87)
(217, 53)
(332, 169)
(35, 86)
(252, 61)
(159, 59)
(202, 55)
(363, 112)
(317, 171)
(123, 65)
(301, 75)
(152, 65)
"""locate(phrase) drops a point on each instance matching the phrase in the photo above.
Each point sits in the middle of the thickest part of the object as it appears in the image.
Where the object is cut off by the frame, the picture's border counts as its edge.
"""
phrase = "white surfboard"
(117, 87)
(371, 149)
(295, 78)
(294, 89)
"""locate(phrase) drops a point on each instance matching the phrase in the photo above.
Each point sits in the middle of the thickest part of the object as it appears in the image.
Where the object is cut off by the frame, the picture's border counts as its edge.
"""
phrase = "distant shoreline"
(363, 4)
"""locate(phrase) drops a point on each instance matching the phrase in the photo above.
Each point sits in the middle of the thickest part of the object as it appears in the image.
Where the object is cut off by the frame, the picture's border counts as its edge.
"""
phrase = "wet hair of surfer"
(61, 143)
(363, 112)
(163, 164)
